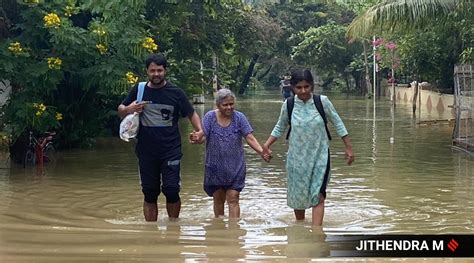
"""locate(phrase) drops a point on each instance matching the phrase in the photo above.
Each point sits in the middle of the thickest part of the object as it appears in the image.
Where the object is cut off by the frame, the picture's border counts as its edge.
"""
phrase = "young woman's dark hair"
(300, 75)
(158, 59)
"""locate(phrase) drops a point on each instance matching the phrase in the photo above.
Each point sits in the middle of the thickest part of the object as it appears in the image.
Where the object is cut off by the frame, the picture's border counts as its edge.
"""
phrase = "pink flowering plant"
(386, 54)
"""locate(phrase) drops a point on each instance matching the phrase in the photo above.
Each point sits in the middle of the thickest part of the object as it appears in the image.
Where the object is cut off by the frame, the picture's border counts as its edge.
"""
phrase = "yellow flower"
(51, 20)
(149, 44)
(38, 113)
(69, 10)
(54, 63)
(31, 1)
(102, 48)
(131, 78)
(41, 107)
(99, 31)
(59, 116)
(15, 48)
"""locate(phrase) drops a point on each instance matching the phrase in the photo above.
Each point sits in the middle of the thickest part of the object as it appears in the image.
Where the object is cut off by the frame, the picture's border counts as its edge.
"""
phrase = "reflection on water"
(306, 242)
(88, 206)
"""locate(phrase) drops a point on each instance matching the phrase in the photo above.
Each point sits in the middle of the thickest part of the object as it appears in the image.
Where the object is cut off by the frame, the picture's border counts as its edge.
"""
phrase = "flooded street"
(88, 207)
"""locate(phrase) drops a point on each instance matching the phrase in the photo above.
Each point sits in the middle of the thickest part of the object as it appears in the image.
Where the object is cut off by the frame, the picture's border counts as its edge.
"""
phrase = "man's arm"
(133, 107)
(196, 122)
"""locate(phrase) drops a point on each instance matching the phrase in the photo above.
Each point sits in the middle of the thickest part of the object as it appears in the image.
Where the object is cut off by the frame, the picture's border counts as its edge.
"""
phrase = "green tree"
(326, 49)
(451, 20)
(72, 56)
(399, 14)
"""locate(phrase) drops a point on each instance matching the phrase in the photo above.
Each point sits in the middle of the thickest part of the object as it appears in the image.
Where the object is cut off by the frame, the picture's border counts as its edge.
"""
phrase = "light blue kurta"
(308, 149)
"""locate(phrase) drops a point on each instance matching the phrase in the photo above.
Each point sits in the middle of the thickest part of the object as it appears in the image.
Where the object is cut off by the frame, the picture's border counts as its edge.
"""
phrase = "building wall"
(434, 106)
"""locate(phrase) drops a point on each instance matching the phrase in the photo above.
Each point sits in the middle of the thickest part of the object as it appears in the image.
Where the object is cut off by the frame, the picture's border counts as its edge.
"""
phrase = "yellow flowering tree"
(42, 118)
(35, 116)
(80, 57)
(70, 62)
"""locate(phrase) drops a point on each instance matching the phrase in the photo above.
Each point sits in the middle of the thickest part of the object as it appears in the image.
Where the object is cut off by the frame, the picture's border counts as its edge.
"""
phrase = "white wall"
(434, 105)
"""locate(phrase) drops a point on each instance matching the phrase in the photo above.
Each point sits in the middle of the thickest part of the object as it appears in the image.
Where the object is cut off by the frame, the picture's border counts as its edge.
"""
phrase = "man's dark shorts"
(160, 175)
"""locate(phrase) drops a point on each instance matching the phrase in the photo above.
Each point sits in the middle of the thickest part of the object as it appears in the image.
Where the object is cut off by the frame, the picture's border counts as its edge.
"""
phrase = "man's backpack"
(141, 89)
(290, 104)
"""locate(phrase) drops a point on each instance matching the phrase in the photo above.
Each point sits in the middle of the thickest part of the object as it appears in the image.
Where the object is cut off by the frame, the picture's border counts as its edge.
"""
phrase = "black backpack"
(290, 104)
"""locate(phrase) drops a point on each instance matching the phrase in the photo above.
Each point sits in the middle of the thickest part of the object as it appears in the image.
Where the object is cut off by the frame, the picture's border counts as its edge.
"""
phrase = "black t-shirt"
(158, 135)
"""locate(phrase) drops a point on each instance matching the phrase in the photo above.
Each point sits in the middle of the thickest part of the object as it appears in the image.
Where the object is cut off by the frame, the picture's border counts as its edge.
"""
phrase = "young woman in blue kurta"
(308, 152)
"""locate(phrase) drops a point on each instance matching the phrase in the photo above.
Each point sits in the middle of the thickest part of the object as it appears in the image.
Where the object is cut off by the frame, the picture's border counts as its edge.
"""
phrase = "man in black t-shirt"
(159, 142)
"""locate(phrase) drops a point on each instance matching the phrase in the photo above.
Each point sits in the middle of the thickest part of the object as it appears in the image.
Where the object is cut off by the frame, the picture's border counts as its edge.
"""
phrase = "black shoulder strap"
(319, 106)
(290, 104)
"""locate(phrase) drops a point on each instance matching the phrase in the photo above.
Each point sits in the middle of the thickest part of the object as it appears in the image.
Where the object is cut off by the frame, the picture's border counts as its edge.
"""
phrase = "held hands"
(196, 137)
(266, 153)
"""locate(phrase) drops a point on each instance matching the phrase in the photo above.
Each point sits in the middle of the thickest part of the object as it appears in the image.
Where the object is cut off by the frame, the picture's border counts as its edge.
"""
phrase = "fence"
(463, 133)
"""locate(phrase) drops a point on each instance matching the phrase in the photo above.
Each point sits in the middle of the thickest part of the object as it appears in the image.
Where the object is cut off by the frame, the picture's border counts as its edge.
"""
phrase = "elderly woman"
(224, 175)
(308, 146)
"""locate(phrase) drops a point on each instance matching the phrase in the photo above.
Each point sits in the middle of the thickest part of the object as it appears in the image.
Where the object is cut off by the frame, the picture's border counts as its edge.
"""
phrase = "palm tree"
(393, 14)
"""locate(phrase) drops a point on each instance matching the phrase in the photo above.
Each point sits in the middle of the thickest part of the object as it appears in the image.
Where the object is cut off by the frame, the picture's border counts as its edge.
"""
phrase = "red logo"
(452, 245)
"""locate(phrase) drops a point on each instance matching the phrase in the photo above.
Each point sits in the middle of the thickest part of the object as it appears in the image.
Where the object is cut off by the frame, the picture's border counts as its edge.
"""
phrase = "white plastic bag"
(129, 126)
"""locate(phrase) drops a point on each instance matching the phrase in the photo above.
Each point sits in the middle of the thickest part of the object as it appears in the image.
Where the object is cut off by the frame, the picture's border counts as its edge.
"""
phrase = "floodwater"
(88, 206)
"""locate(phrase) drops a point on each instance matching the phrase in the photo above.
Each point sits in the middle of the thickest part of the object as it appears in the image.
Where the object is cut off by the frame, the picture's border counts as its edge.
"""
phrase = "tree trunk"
(348, 83)
(248, 74)
(237, 71)
(264, 74)
(256, 69)
(327, 82)
(415, 95)
(357, 76)
(368, 86)
(378, 86)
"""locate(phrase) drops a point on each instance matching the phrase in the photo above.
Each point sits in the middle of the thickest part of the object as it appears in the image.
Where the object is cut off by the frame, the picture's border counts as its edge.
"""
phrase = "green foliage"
(325, 48)
(81, 56)
(433, 35)
(386, 54)
(427, 56)
(29, 115)
(467, 56)
(63, 54)
(391, 15)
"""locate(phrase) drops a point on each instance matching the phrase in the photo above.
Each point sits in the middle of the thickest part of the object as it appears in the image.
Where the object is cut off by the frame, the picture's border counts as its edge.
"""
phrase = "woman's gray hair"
(222, 94)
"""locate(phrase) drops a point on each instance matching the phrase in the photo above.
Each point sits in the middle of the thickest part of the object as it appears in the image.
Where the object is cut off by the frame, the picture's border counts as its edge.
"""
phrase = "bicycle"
(40, 150)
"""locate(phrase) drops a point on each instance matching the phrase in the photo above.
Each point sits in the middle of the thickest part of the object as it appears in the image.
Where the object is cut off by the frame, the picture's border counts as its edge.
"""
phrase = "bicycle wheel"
(30, 159)
(49, 153)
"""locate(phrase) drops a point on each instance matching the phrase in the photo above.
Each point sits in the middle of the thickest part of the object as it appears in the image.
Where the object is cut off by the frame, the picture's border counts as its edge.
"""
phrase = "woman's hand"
(196, 137)
(350, 158)
(348, 150)
(266, 154)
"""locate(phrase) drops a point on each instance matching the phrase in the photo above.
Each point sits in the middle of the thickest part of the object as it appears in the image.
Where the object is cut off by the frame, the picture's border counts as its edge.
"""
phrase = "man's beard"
(157, 81)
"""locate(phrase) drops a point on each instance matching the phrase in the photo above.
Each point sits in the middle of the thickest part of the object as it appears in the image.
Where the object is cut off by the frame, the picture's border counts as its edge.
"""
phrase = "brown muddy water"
(88, 206)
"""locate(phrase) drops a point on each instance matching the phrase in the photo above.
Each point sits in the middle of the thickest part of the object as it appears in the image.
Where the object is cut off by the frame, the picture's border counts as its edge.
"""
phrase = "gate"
(463, 134)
